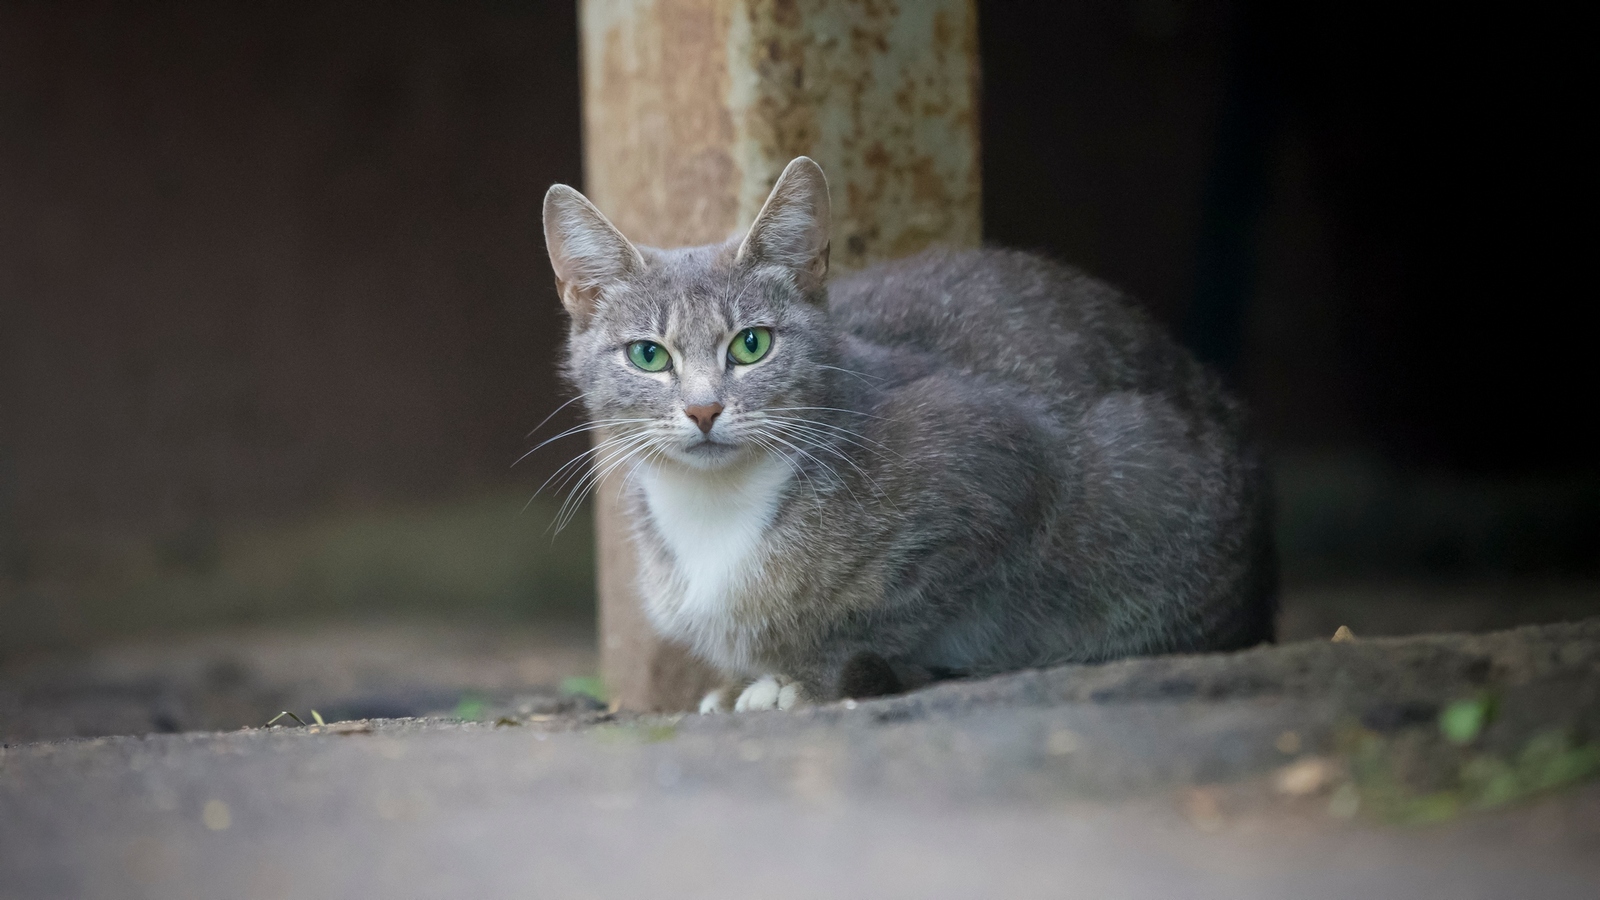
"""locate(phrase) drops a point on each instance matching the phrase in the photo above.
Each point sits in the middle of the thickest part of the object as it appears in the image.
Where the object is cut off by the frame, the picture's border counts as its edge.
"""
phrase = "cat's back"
(1154, 499)
(1012, 316)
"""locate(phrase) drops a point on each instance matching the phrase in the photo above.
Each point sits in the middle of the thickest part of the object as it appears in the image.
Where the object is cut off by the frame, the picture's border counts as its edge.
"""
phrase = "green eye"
(649, 356)
(750, 345)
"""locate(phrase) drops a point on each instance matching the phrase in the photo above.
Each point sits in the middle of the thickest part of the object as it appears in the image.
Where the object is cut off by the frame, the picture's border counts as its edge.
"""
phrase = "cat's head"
(708, 356)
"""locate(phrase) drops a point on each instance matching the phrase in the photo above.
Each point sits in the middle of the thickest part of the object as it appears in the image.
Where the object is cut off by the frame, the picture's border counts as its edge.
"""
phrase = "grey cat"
(960, 463)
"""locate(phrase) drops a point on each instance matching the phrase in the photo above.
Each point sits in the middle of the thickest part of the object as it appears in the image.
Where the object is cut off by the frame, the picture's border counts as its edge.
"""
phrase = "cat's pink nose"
(703, 415)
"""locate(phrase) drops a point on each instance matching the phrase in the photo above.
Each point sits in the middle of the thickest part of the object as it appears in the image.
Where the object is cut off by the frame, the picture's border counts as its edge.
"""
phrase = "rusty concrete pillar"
(692, 108)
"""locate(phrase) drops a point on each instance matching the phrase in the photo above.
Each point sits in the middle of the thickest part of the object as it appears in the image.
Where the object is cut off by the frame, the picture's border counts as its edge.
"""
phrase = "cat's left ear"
(792, 228)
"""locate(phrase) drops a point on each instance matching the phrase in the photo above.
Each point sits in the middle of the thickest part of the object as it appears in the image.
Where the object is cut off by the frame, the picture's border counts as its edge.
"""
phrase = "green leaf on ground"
(1462, 721)
(471, 707)
(585, 685)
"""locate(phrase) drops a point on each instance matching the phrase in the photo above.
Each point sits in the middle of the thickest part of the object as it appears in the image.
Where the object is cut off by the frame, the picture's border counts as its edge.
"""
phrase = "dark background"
(275, 316)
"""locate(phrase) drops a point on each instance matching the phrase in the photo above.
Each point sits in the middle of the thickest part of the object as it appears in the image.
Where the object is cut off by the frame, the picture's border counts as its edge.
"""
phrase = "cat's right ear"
(586, 250)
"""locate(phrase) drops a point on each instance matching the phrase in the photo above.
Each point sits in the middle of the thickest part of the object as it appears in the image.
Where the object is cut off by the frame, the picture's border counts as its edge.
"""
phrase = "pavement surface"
(221, 680)
(1454, 766)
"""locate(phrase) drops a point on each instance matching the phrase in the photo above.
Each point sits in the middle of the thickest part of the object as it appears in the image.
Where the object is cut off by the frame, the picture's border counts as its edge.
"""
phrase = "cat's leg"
(866, 674)
(772, 692)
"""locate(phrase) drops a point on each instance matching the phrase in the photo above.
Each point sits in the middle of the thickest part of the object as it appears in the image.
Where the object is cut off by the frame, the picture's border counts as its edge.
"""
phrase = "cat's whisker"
(828, 437)
(828, 447)
(569, 470)
(820, 439)
(820, 463)
(573, 468)
(824, 435)
(580, 429)
(608, 444)
(843, 482)
(775, 414)
(642, 457)
(597, 448)
(819, 423)
(833, 432)
(853, 412)
(546, 419)
(799, 470)
(600, 445)
(643, 451)
(613, 450)
(860, 375)
(592, 478)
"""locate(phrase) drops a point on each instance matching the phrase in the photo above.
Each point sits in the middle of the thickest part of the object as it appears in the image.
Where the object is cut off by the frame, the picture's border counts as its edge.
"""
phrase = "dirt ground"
(223, 679)
(455, 764)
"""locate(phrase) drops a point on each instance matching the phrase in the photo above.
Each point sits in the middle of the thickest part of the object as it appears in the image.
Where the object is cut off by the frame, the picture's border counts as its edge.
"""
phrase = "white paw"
(761, 694)
(714, 702)
(770, 692)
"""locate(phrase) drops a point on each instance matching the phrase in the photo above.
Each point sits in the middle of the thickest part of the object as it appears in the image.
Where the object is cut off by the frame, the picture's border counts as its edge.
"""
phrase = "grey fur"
(997, 461)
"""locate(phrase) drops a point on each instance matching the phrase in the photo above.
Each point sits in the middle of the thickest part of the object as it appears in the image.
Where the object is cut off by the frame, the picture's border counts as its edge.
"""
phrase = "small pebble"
(1304, 777)
(1288, 743)
(216, 816)
(1345, 802)
(1201, 808)
(1062, 742)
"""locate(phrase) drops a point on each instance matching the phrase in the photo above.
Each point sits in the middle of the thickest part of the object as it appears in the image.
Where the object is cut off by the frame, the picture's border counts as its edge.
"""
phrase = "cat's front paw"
(772, 692)
(716, 702)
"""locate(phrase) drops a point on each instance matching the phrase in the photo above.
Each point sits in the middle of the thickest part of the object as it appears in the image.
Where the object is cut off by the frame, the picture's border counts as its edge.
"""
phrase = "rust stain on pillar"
(884, 96)
(693, 107)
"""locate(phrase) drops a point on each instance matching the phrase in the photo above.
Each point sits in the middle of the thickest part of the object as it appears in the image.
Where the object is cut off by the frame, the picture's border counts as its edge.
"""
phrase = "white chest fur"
(712, 525)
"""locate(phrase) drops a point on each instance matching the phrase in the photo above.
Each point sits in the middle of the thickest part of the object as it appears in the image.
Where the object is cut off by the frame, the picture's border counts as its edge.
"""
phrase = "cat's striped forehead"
(694, 295)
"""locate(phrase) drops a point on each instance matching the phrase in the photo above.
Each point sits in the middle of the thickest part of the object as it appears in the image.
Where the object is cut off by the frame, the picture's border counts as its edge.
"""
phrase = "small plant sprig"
(316, 716)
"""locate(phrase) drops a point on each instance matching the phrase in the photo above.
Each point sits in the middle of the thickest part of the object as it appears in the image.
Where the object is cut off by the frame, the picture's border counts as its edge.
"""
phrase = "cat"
(957, 464)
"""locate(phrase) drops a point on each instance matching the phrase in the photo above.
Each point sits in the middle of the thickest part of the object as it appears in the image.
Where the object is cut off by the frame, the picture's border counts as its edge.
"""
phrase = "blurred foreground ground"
(1437, 766)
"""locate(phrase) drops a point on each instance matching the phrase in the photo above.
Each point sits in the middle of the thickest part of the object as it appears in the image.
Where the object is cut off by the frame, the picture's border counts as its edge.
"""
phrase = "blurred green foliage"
(1407, 780)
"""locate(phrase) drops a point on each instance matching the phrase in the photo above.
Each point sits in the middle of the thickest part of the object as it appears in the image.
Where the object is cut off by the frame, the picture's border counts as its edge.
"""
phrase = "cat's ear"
(792, 228)
(586, 250)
